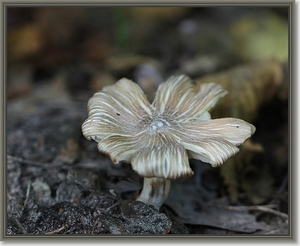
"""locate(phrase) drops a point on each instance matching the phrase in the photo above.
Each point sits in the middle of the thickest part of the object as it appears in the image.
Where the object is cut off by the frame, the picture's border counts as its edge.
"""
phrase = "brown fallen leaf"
(250, 87)
(187, 202)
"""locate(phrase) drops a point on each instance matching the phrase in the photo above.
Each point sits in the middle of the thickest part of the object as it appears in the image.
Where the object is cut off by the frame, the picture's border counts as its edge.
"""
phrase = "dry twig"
(266, 209)
(21, 226)
(57, 230)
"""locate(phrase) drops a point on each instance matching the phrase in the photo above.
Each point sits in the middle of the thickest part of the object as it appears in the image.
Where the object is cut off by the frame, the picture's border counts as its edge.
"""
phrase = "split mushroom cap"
(158, 138)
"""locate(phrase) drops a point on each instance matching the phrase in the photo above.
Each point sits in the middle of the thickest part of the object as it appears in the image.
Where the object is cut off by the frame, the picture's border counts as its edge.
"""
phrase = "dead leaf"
(186, 201)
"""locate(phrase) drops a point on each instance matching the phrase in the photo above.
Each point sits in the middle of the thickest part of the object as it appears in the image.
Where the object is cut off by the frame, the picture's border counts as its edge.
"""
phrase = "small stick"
(266, 209)
(57, 230)
(21, 226)
(282, 187)
(272, 232)
(23, 161)
(47, 165)
(27, 193)
(94, 226)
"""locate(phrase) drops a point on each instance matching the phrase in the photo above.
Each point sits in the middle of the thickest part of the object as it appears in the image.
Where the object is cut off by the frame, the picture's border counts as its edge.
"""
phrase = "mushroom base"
(155, 191)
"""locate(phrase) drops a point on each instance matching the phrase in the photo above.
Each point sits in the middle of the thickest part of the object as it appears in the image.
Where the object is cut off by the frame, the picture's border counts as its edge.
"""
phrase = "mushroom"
(159, 138)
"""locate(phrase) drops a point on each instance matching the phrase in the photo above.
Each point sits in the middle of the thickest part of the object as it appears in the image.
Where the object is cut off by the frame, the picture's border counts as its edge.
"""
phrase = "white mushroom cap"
(158, 139)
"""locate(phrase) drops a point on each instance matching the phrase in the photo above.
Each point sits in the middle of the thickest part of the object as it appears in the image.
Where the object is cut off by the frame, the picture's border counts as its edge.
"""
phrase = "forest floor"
(59, 183)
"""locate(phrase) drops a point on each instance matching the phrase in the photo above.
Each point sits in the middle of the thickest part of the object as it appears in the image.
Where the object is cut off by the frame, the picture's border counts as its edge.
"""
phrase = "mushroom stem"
(155, 191)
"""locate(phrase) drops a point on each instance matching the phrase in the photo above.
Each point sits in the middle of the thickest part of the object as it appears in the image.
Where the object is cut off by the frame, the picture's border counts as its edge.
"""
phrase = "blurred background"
(57, 57)
(95, 46)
